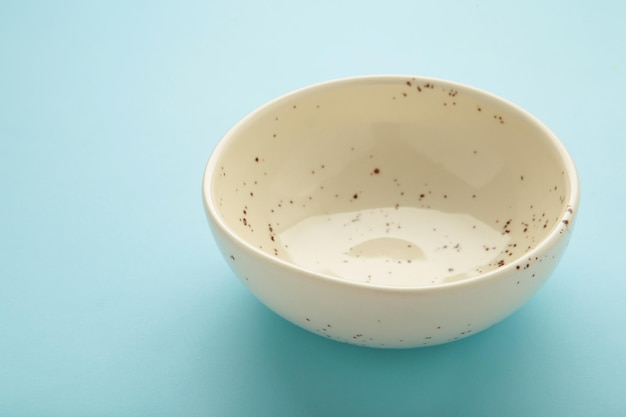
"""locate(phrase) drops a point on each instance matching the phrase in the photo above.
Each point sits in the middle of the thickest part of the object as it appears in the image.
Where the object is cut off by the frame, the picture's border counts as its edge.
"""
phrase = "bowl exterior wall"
(388, 317)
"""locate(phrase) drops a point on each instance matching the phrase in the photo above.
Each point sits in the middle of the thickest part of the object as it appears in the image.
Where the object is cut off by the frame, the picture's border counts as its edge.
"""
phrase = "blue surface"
(114, 300)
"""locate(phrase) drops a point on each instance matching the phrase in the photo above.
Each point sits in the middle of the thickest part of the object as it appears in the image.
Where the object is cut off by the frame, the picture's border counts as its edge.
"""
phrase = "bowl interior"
(391, 181)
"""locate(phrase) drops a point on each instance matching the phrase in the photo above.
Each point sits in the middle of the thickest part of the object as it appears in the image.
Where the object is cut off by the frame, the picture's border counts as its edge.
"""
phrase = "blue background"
(114, 300)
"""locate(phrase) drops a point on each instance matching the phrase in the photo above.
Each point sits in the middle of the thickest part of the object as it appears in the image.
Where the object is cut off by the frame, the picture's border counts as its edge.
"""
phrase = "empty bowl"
(391, 211)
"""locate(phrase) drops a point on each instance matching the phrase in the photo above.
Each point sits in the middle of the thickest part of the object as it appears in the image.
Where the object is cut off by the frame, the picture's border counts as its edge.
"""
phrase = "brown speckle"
(408, 83)
(232, 257)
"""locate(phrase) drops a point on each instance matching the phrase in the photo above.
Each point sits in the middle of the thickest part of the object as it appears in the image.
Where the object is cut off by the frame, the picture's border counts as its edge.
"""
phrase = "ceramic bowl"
(391, 211)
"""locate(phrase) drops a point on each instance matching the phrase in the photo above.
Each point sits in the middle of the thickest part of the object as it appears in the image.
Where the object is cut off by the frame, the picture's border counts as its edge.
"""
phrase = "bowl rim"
(556, 233)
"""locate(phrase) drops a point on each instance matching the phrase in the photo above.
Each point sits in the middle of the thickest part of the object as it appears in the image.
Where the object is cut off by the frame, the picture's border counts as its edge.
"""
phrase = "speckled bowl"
(391, 211)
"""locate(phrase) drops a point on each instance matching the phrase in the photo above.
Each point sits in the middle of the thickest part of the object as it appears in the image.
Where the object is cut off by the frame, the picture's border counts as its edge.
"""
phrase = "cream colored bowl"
(391, 211)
